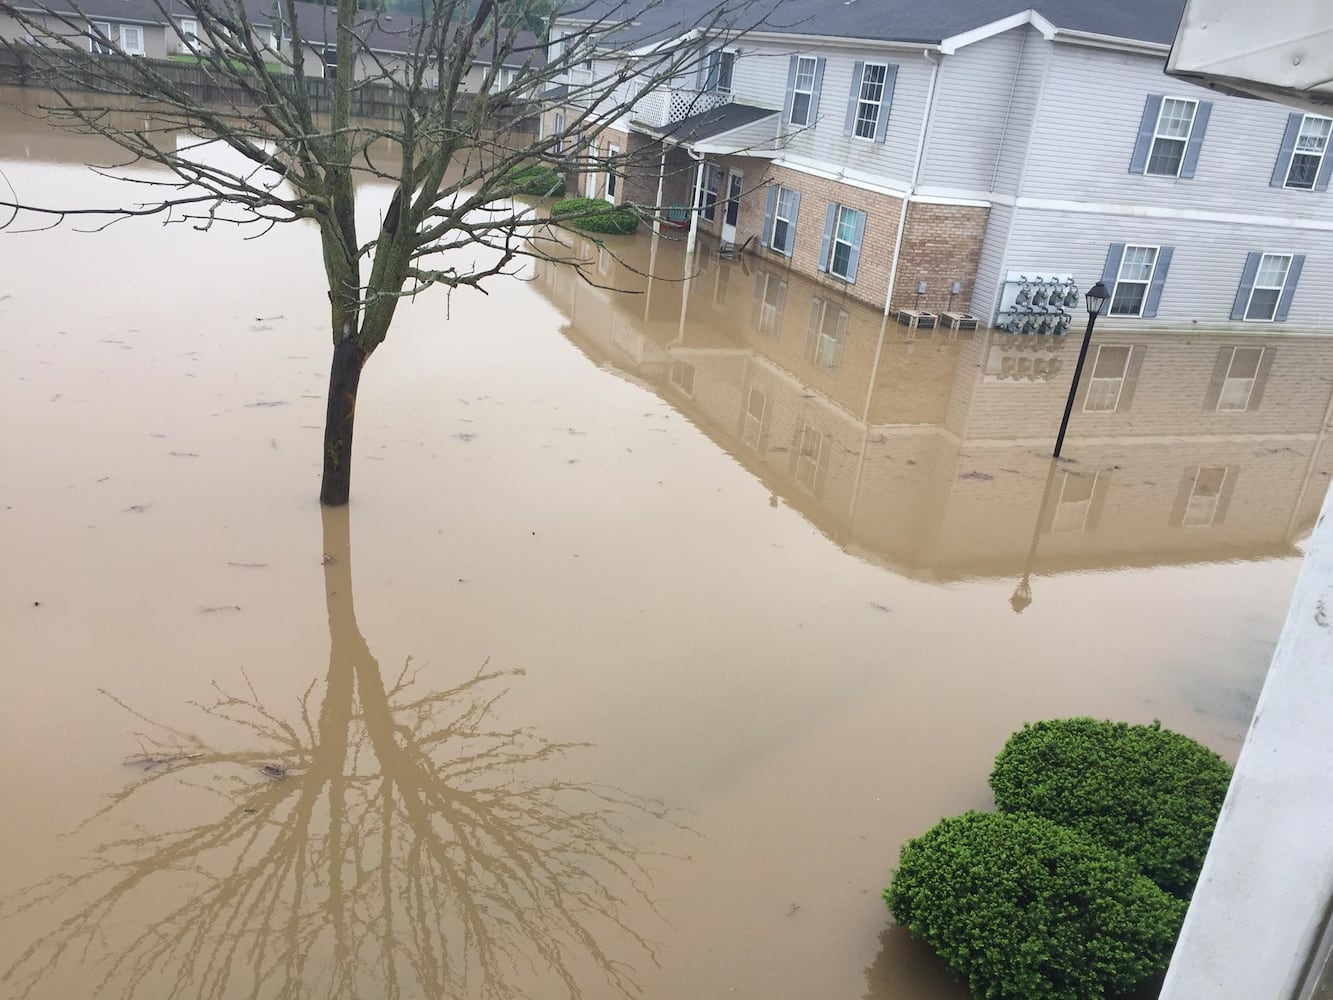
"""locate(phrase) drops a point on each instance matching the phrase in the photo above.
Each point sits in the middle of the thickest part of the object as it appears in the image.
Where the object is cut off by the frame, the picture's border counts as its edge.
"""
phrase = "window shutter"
(1099, 490)
(824, 244)
(812, 328)
(1131, 380)
(791, 224)
(1138, 162)
(1201, 116)
(886, 102)
(1220, 370)
(1111, 270)
(854, 97)
(855, 259)
(791, 90)
(1247, 285)
(1261, 378)
(1289, 289)
(1285, 152)
(1224, 499)
(1164, 255)
(1325, 171)
(766, 238)
(814, 97)
(1183, 496)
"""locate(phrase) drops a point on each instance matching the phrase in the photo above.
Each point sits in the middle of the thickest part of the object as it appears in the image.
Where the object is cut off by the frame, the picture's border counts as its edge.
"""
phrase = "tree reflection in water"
(391, 841)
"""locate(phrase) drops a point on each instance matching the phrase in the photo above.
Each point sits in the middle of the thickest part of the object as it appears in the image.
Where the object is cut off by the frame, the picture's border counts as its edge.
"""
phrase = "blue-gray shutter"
(854, 260)
(1261, 378)
(1289, 289)
(710, 75)
(1325, 171)
(1202, 113)
(791, 90)
(1287, 149)
(767, 237)
(858, 70)
(828, 235)
(791, 223)
(886, 102)
(1246, 285)
(1138, 162)
(814, 96)
(1158, 280)
(1111, 270)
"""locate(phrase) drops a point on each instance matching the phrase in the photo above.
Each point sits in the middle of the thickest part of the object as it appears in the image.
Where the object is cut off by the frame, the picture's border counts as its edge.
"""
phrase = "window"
(131, 39)
(1075, 504)
(756, 409)
(1132, 281)
(1241, 374)
(782, 235)
(770, 300)
(189, 31)
(611, 179)
(825, 335)
(1269, 281)
(844, 241)
(722, 283)
(1175, 122)
(721, 65)
(708, 199)
(331, 62)
(1308, 155)
(1204, 497)
(869, 100)
(682, 377)
(1108, 378)
(558, 131)
(270, 37)
(100, 30)
(803, 93)
(809, 454)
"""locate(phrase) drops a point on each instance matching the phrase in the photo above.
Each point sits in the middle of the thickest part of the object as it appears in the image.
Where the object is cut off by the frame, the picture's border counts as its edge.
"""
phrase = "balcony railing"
(668, 105)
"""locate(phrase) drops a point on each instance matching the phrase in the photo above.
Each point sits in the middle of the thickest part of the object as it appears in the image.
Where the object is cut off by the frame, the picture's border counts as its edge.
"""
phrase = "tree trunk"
(344, 378)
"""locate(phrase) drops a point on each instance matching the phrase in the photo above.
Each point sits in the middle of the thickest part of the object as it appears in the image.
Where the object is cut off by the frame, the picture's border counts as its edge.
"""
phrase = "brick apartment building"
(933, 156)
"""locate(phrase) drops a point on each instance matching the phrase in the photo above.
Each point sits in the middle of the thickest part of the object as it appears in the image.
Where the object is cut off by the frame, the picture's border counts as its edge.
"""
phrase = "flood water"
(657, 623)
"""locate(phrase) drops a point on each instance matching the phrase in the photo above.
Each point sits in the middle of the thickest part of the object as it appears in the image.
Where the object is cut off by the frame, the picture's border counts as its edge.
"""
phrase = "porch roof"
(723, 130)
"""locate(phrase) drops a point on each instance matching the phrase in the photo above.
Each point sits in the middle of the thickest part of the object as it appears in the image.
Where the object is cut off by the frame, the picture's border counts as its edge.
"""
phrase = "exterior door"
(590, 178)
(612, 181)
(731, 212)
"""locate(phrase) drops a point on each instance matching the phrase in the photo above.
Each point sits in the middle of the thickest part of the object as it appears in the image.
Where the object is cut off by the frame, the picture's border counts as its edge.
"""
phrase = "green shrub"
(534, 179)
(1024, 909)
(1147, 792)
(595, 216)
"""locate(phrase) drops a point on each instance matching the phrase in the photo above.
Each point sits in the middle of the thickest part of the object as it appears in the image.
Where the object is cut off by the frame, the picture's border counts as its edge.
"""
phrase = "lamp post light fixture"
(1096, 299)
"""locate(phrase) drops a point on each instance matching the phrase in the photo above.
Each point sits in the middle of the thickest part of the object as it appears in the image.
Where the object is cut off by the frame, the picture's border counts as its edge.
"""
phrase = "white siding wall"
(971, 109)
(1023, 112)
(1205, 270)
(990, 266)
(1090, 118)
(760, 79)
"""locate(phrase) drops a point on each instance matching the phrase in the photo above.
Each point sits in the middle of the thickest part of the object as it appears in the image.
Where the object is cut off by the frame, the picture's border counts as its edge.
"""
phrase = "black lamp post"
(1096, 298)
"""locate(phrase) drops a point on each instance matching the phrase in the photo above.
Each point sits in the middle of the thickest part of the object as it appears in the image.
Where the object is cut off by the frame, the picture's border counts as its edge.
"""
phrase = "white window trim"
(1277, 301)
(806, 462)
(1185, 521)
(778, 216)
(877, 105)
(678, 379)
(1156, 134)
(558, 128)
(712, 175)
(717, 87)
(135, 31)
(190, 34)
(1297, 152)
(834, 240)
(796, 89)
(770, 320)
(104, 29)
(836, 341)
(1093, 379)
(1062, 505)
(1156, 259)
(1253, 380)
(612, 187)
(752, 433)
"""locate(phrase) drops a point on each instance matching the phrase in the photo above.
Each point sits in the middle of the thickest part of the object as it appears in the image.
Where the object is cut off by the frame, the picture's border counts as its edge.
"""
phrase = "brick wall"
(941, 245)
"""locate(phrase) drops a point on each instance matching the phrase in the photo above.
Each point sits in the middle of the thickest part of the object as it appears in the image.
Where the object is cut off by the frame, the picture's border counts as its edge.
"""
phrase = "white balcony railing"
(668, 105)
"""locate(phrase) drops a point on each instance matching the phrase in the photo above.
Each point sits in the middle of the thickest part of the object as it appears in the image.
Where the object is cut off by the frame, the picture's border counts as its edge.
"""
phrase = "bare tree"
(295, 148)
(385, 839)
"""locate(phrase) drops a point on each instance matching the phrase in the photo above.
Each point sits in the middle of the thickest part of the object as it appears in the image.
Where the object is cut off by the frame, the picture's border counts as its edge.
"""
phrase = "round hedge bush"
(534, 179)
(1147, 792)
(1024, 909)
(595, 216)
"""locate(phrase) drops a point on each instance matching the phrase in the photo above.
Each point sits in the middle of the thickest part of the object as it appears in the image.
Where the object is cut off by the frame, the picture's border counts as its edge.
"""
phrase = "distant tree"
(451, 155)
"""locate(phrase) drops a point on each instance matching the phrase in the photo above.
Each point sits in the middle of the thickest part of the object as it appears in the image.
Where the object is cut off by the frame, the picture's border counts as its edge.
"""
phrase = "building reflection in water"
(928, 451)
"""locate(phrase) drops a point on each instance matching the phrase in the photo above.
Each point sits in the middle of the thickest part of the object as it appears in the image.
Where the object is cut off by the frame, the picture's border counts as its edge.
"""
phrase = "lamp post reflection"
(1022, 595)
(1096, 298)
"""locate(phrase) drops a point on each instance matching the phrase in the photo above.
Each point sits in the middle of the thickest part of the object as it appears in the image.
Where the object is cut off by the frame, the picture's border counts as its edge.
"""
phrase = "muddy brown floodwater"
(676, 612)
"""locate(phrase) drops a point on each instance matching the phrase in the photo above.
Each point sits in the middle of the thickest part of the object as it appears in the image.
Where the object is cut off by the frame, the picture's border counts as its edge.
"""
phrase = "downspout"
(696, 199)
